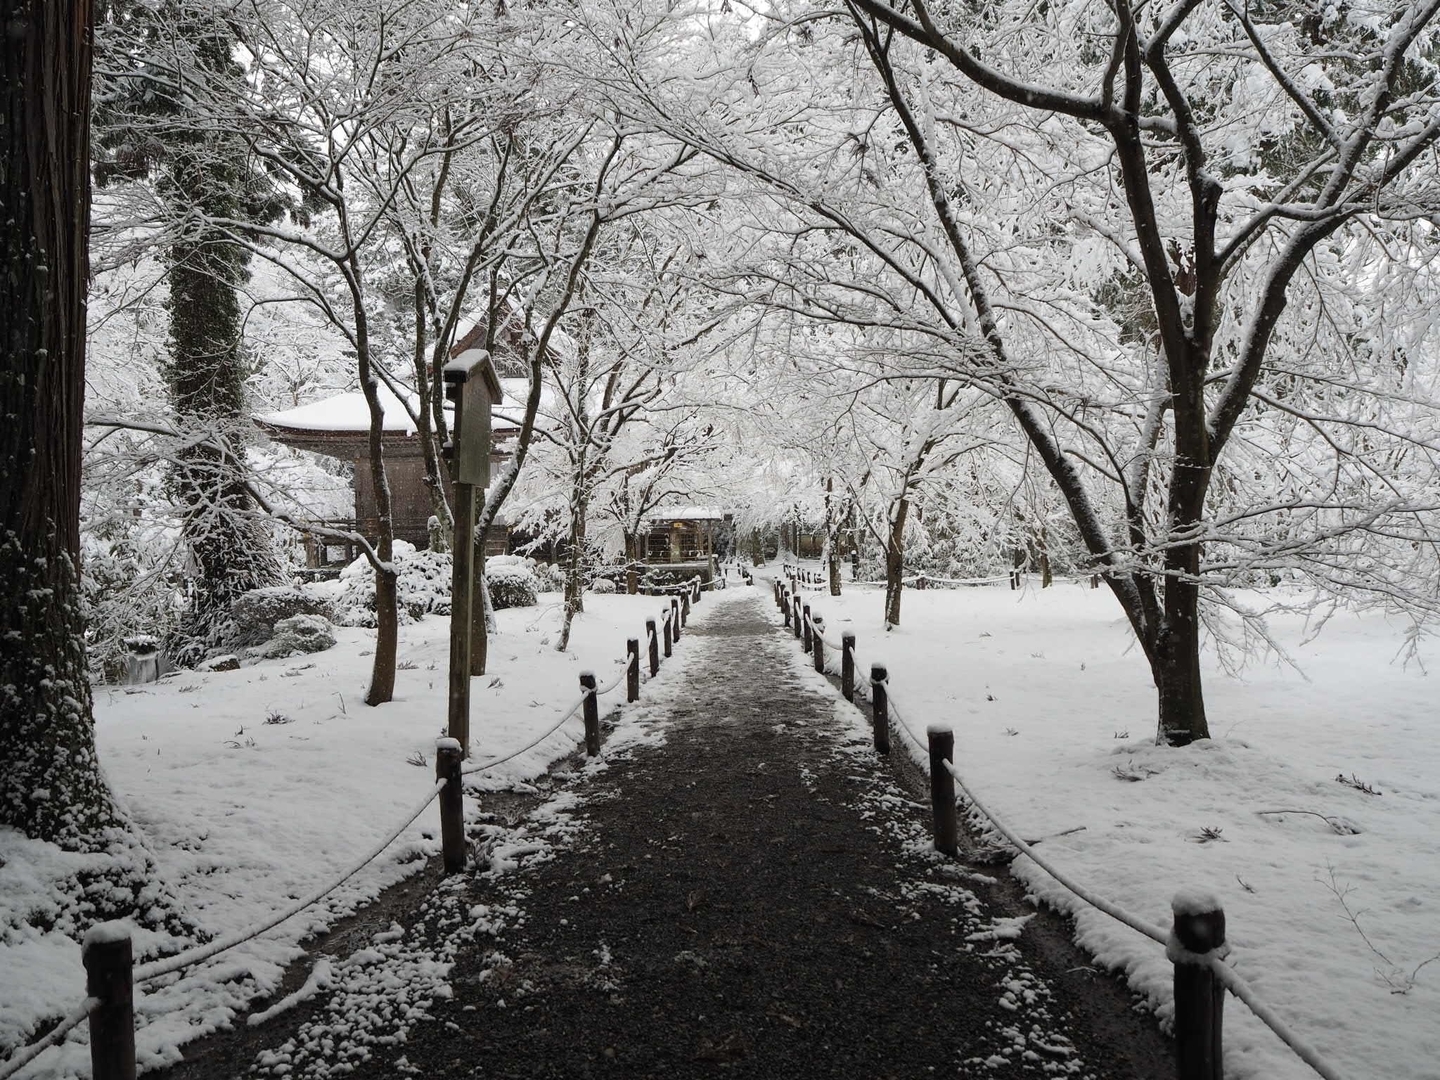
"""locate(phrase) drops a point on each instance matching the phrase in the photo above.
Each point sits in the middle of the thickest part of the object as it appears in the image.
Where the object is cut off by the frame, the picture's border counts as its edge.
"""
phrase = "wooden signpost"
(470, 383)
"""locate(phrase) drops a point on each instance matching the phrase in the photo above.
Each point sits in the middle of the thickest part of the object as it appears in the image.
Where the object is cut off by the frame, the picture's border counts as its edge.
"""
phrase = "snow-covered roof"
(686, 513)
(344, 412)
(349, 412)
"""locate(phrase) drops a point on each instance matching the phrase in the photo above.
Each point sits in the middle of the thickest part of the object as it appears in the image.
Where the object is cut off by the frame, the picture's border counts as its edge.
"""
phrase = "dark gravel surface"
(754, 897)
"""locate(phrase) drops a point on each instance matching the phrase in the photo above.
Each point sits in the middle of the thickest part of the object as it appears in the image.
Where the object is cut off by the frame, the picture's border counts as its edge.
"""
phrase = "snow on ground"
(252, 787)
(1054, 720)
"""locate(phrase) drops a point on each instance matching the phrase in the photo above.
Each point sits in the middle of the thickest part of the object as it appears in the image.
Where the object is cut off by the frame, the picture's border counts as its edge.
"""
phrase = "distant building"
(684, 533)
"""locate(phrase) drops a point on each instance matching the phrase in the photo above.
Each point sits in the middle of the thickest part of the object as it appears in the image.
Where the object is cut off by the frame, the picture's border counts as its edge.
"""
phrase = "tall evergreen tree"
(201, 174)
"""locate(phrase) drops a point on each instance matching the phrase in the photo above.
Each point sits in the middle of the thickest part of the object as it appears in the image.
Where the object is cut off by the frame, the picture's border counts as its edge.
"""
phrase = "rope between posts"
(629, 663)
(481, 766)
(27, 1054)
(828, 643)
(1241, 989)
(167, 965)
(1226, 974)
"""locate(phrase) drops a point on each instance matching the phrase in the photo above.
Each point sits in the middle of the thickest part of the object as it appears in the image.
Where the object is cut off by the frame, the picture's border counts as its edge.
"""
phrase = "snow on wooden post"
(448, 758)
(817, 644)
(880, 707)
(796, 617)
(675, 623)
(632, 669)
(785, 606)
(592, 713)
(109, 977)
(653, 634)
(805, 633)
(1198, 932)
(684, 608)
(847, 666)
(668, 649)
(695, 589)
(942, 789)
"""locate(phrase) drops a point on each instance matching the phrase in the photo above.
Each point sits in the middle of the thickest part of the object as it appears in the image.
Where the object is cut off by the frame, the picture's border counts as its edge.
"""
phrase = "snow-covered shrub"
(255, 615)
(422, 587)
(602, 585)
(300, 634)
(511, 585)
(127, 588)
(550, 577)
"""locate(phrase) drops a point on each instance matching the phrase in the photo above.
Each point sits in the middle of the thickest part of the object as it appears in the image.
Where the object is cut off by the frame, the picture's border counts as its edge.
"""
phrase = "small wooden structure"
(680, 534)
(339, 427)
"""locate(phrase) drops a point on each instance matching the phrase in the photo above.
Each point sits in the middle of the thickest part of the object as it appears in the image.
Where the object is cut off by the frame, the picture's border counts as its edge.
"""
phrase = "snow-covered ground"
(253, 787)
(1054, 721)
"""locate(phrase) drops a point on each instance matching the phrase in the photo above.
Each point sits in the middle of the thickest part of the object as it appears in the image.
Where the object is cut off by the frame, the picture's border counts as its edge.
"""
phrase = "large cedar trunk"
(895, 563)
(50, 784)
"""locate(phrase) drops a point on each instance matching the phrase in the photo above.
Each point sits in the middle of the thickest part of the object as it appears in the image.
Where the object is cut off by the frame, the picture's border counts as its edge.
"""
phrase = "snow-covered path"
(742, 882)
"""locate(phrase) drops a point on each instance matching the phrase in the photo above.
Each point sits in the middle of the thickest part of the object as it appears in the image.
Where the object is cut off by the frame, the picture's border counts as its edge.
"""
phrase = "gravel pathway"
(744, 889)
(756, 895)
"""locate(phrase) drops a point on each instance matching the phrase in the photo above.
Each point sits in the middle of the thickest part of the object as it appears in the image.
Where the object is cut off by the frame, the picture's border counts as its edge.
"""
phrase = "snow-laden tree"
(619, 422)
(1161, 226)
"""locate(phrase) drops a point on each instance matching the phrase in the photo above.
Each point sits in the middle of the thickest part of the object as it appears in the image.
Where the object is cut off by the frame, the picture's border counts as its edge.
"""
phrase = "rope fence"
(1195, 944)
(107, 953)
(802, 576)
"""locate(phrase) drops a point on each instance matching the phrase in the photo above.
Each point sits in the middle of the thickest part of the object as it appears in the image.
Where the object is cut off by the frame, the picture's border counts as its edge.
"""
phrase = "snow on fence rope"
(27, 1054)
(190, 957)
(481, 766)
(167, 965)
(1213, 961)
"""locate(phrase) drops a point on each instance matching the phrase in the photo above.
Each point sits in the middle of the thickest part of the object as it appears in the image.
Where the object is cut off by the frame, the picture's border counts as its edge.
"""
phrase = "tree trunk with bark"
(387, 615)
(50, 785)
(895, 563)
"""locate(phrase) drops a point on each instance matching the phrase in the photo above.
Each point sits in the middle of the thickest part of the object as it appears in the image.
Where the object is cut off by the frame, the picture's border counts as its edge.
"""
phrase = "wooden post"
(1199, 995)
(632, 669)
(695, 589)
(805, 634)
(817, 644)
(462, 593)
(847, 666)
(796, 620)
(684, 608)
(448, 759)
(675, 623)
(785, 607)
(880, 706)
(653, 635)
(666, 621)
(109, 976)
(592, 713)
(1094, 581)
(942, 789)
